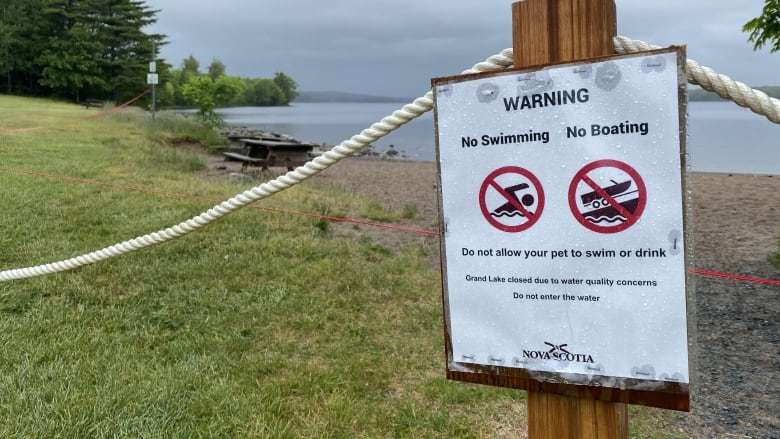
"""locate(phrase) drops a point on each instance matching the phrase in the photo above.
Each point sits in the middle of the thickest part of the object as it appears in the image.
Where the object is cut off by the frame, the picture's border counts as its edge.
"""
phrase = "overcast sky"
(394, 48)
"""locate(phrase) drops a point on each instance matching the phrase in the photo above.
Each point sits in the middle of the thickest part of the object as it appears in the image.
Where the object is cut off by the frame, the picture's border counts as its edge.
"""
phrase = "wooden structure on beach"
(267, 151)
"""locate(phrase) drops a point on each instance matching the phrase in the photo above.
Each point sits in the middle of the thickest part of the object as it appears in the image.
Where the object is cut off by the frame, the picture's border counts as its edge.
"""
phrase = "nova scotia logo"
(557, 348)
(557, 352)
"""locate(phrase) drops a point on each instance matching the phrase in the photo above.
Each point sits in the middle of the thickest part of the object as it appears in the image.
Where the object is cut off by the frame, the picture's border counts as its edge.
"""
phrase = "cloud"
(394, 48)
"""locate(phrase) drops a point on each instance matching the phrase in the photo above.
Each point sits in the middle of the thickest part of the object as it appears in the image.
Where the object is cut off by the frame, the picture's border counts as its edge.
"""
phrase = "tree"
(166, 94)
(127, 50)
(765, 29)
(69, 63)
(9, 29)
(207, 95)
(267, 93)
(216, 69)
(190, 69)
(190, 66)
(250, 91)
(72, 47)
(288, 86)
(28, 34)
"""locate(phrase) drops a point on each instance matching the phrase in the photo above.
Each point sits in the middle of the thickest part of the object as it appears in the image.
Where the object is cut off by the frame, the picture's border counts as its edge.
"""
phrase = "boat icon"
(601, 210)
(508, 208)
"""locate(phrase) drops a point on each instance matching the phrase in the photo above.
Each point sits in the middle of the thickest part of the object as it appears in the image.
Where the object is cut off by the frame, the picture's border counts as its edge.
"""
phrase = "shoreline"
(711, 136)
(732, 173)
(433, 162)
(393, 153)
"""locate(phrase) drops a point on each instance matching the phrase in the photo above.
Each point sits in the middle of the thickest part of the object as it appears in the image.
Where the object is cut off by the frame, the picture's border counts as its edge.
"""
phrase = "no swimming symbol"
(511, 199)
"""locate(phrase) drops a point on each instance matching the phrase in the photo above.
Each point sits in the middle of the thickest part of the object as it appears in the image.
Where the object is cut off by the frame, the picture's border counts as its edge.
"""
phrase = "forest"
(76, 50)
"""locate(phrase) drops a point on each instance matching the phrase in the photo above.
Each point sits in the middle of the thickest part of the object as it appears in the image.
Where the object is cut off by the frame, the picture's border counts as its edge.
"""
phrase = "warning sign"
(607, 196)
(563, 247)
(511, 199)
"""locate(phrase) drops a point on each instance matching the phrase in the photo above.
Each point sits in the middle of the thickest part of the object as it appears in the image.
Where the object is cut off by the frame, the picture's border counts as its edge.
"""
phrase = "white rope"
(334, 155)
(727, 88)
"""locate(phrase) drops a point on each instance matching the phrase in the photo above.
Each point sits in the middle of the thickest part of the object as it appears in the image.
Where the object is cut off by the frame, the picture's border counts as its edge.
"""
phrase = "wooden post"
(548, 31)
(553, 416)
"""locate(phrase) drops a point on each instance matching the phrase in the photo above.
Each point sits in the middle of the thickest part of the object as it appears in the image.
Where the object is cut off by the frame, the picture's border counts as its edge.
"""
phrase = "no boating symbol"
(511, 199)
(607, 196)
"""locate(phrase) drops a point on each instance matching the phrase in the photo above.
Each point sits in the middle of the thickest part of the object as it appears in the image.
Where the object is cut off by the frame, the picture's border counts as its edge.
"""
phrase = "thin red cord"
(696, 271)
(81, 119)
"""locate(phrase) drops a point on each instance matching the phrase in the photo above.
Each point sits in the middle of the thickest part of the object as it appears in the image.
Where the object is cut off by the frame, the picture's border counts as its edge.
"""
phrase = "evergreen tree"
(67, 61)
(27, 37)
(76, 47)
(69, 64)
(9, 11)
(126, 49)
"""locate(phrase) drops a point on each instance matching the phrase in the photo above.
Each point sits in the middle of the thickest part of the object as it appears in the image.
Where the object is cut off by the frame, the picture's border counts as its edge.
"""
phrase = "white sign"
(151, 78)
(561, 195)
(152, 67)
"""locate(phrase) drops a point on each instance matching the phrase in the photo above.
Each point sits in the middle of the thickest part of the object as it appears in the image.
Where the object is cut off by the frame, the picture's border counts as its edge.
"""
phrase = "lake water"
(722, 137)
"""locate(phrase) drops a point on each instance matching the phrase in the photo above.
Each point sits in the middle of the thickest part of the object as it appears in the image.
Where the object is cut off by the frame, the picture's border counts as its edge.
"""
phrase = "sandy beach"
(736, 224)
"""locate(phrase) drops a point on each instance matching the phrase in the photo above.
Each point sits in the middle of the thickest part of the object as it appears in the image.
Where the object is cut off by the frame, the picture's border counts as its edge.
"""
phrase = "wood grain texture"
(544, 32)
(555, 416)
(549, 31)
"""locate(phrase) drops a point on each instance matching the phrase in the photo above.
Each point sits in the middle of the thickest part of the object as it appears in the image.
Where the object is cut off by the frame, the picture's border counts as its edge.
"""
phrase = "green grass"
(261, 325)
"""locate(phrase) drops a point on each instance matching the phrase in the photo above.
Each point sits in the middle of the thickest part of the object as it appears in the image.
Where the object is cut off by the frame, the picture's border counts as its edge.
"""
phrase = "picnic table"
(94, 103)
(267, 152)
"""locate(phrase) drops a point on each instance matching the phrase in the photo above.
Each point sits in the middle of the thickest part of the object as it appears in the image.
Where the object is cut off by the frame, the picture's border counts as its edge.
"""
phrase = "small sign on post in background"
(152, 79)
(564, 248)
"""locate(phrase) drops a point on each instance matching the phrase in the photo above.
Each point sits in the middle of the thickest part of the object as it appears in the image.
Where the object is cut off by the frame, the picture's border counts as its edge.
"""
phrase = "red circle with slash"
(512, 202)
(610, 200)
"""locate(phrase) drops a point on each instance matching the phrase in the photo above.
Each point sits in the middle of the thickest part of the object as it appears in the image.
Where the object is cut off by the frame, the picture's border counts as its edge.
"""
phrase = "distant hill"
(338, 96)
(699, 95)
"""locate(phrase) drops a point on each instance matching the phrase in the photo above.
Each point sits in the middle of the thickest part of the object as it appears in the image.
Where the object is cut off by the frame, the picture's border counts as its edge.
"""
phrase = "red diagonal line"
(515, 203)
(612, 202)
(735, 277)
(81, 119)
(117, 108)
